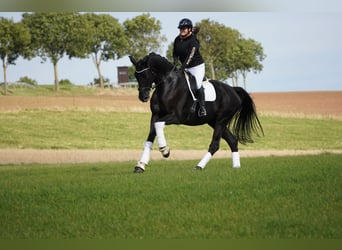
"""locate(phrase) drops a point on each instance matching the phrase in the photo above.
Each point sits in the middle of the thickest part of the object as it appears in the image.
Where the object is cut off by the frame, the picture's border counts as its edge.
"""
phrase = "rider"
(186, 49)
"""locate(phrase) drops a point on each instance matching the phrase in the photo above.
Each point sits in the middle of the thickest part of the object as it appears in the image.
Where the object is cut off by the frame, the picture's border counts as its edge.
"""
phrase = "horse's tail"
(246, 121)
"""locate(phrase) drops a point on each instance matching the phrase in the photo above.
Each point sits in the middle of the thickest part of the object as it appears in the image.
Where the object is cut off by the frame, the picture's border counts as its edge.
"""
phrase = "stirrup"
(193, 107)
(202, 112)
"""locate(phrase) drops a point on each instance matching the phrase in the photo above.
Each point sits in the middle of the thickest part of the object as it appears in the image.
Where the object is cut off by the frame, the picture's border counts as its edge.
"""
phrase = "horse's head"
(144, 76)
(151, 69)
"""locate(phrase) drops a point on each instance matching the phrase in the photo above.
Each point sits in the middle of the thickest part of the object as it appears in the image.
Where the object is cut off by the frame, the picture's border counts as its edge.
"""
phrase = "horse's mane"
(159, 63)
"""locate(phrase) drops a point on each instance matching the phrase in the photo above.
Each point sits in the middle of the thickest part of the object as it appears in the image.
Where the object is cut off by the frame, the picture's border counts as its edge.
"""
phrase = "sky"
(303, 50)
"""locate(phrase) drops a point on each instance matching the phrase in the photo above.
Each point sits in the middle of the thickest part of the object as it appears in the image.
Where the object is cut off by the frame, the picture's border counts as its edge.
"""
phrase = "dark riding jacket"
(187, 51)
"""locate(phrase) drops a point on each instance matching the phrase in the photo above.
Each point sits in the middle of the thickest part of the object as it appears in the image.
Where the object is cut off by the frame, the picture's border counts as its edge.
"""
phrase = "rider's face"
(184, 31)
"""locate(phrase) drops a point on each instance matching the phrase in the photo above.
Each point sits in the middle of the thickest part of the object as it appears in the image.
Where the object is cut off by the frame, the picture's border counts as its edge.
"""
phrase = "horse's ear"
(133, 60)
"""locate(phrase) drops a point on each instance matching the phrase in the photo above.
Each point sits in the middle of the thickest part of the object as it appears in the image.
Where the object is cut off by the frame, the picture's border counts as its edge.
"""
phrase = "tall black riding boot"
(201, 111)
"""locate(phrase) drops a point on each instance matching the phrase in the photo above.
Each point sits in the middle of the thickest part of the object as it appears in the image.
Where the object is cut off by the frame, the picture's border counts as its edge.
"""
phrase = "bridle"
(156, 84)
(141, 71)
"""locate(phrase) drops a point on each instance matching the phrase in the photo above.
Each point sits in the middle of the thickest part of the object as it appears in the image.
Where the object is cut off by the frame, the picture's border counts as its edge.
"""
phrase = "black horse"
(172, 102)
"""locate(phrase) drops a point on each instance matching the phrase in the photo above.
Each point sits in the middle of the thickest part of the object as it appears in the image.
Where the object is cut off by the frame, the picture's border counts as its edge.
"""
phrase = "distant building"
(123, 74)
(123, 79)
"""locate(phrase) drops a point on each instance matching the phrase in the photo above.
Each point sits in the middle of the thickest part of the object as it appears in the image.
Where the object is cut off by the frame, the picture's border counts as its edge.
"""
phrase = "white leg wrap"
(159, 126)
(205, 160)
(236, 159)
(145, 156)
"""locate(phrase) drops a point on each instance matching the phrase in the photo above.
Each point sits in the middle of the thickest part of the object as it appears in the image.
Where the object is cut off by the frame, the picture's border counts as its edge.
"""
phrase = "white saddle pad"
(209, 91)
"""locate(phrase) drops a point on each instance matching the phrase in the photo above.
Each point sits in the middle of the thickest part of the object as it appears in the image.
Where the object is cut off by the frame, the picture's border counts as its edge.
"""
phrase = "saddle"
(209, 90)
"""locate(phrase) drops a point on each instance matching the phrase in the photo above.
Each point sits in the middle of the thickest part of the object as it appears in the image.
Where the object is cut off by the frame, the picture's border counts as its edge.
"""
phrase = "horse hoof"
(138, 169)
(166, 155)
(165, 151)
(198, 168)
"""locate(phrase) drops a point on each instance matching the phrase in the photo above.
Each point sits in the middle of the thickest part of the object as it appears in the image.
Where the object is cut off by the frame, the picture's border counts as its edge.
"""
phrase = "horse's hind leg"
(233, 144)
(214, 145)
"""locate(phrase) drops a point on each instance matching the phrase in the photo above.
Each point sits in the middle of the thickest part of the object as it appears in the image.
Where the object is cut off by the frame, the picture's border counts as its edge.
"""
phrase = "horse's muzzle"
(144, 96)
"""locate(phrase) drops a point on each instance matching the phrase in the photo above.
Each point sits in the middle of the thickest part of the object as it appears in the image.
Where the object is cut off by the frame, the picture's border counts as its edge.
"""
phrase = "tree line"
(101, 37)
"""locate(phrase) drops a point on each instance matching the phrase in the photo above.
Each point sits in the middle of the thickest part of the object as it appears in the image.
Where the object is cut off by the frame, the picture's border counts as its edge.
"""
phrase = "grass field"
(269, 198)
(297, 197)
(49, 90)
(127, 130)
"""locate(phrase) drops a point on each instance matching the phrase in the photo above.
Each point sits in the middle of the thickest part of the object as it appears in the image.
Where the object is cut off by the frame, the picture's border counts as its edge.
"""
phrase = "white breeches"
(198, 72)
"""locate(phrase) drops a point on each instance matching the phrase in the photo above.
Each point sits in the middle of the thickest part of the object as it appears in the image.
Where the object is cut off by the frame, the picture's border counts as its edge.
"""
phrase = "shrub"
(96, 82)
(28, 80)
(65, 82)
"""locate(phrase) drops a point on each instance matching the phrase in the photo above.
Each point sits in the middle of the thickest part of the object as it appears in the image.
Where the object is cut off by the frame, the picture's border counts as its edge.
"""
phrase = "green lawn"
(127, 130)
(65, 90)
(269, 198)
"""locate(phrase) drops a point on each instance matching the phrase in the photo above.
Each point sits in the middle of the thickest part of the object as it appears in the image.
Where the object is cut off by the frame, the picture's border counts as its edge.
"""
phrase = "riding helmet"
(185, 23)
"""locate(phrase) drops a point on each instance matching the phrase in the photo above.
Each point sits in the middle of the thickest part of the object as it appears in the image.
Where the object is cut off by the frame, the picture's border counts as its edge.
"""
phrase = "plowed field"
(305, 103)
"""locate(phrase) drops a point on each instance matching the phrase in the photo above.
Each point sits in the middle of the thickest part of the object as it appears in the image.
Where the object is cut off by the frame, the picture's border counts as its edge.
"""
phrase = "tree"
(103, 37)
(216, 41)
(251, 56)
(244, 57)
(14, 41)
(232, 62)
(144, 34)
(51, 35)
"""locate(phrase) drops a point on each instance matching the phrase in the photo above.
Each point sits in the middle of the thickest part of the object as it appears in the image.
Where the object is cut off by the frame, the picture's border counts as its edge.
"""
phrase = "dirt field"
(101, 102)
(315, 104)
(326, 104)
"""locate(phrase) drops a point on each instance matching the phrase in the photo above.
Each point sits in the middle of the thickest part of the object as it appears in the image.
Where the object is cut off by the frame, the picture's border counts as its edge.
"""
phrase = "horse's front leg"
(145, 156)
(163, 148)
(156, 129)
(159, 127)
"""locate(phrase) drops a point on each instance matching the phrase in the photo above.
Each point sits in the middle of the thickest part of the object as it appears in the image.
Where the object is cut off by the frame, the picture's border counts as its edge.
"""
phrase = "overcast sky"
(303, 49)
